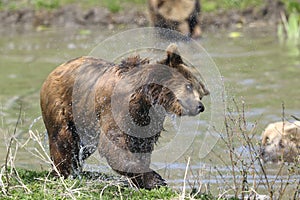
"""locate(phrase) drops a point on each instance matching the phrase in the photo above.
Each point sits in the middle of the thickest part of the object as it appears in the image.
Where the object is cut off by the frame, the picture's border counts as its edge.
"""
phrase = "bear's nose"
(262, 151)
(200, 107)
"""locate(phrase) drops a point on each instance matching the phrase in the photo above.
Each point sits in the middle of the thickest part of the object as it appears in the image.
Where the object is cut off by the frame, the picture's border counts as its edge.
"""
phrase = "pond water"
(256, 69)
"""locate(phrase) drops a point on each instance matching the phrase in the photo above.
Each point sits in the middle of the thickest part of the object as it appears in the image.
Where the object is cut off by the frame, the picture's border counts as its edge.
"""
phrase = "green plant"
(214, 5)
(113, 5)
(288, 32)
(290, 28)
(292, 5)
(48, 4)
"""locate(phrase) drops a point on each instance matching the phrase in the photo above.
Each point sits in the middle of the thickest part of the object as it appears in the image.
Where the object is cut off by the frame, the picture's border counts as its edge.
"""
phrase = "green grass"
(33, 185)
(214, 5)
(118, 5)
(112, 5)
(26, 184)
(48, 4)
(292, 5)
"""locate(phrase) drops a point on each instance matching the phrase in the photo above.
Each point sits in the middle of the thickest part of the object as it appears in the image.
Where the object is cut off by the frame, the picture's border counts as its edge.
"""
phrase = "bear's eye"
(281, 145)
(189, 87)
(268, 140)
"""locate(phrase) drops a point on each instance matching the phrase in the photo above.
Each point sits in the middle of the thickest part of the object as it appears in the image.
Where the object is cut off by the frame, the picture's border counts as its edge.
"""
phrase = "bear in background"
(179, 15)
(119, 109)
(281, 142)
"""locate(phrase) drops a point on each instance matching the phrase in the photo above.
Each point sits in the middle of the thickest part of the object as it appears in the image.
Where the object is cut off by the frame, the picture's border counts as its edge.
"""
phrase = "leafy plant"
(288, 32)
(290, 28)
(292, 6)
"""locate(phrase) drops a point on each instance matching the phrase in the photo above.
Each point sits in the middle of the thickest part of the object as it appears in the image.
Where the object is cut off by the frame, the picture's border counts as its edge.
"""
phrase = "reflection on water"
(256, 69)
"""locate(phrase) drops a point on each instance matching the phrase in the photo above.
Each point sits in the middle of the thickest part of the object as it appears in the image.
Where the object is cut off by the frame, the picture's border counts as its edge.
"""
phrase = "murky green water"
(256, 69)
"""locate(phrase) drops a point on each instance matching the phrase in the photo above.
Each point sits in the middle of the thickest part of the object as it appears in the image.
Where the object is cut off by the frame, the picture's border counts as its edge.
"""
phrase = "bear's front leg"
(133, 165)
(148, 180)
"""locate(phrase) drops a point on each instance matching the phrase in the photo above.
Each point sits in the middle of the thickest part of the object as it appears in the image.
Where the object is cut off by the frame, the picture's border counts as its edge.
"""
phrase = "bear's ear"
(173, 57)
(292, 132)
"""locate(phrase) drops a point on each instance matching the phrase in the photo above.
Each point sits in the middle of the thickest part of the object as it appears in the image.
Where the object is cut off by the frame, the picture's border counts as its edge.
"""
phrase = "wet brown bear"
(281, 142)
(179, 15)
(89, 103)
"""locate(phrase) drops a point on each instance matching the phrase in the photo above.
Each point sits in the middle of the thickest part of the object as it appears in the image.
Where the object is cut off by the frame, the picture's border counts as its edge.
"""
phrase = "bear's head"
(169, 83)
(188, 90)
(281, 142)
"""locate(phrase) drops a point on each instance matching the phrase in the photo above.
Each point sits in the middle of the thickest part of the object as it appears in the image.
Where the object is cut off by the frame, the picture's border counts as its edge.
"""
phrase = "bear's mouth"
(191, 109)
(187, 112)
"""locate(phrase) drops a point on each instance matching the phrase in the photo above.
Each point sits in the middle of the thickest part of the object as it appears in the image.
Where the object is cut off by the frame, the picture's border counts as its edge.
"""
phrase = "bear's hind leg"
(64, 150)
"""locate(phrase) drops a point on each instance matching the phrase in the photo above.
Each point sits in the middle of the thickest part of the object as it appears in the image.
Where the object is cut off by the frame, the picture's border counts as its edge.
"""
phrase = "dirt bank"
(74, 16)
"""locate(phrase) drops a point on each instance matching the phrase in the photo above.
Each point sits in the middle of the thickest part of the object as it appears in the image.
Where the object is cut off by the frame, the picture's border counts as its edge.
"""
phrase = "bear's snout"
(197, 109)
(262, 152)
(191, 108)
(200, 107)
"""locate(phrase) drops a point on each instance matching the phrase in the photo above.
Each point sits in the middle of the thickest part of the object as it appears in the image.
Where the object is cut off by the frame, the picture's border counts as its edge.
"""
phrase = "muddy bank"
(74, 16)
(269, 15)
(71, 16)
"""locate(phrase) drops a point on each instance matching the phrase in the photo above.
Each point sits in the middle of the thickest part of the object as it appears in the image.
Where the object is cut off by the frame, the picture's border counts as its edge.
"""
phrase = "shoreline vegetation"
(75, 13)
(247, 176)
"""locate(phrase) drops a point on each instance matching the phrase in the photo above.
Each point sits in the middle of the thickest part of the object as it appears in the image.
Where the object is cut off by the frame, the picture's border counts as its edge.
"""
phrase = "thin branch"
(9, 149)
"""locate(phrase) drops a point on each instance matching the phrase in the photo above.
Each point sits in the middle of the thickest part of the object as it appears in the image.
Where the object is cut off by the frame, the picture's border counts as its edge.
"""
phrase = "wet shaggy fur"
(179, 15)
(89, 103)
(281, 142)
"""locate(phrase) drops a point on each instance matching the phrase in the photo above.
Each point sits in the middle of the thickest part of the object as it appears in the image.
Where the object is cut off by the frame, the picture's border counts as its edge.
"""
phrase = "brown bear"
(179, 15)
(281, 142)
(89, 103)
